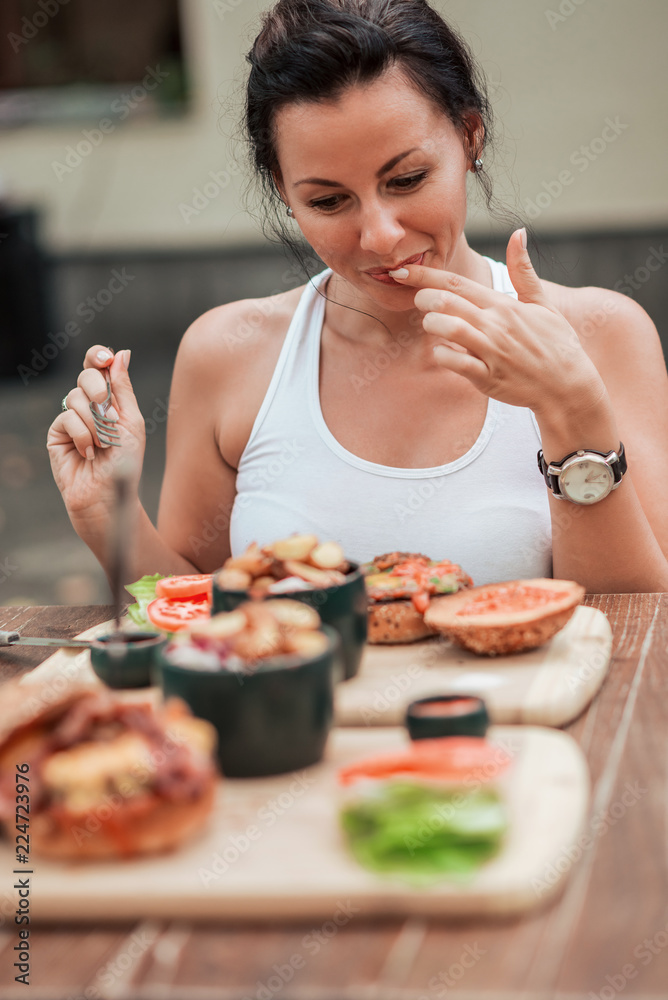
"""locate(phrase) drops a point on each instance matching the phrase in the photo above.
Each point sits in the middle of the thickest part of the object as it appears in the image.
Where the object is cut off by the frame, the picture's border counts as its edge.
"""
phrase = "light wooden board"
(548, 686)
(273, 850)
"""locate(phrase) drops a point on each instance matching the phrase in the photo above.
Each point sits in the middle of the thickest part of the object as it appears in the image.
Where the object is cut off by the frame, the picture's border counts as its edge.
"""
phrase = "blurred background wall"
(121, 191)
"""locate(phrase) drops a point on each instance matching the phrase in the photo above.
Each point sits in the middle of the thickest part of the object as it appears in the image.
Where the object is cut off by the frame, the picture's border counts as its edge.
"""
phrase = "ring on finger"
(63, 404)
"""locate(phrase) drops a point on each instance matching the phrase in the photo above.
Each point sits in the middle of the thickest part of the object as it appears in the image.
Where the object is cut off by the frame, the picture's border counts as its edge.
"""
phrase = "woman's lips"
(384, 277)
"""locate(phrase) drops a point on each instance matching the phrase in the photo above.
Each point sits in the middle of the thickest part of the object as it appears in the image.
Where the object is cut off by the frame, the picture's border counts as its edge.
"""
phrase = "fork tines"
(104, 425)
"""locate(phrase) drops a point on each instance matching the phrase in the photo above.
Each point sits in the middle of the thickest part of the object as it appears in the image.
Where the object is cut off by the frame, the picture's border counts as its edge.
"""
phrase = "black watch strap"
(618, 467)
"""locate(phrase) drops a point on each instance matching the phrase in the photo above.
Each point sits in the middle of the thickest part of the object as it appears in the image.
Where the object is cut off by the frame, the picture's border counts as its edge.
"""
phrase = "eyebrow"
(383, 170)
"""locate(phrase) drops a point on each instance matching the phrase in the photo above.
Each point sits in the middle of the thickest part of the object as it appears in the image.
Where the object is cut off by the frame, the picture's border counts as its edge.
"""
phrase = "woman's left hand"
(520, 351)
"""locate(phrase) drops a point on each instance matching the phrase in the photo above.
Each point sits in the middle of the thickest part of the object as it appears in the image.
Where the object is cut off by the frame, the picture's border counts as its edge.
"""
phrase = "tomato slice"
(179, 587)
(171, 616)
(452, 758)
(420, 601)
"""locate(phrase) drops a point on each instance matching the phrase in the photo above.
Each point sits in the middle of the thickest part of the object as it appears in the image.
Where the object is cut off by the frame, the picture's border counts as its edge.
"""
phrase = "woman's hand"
(523, 352)
(82, 466)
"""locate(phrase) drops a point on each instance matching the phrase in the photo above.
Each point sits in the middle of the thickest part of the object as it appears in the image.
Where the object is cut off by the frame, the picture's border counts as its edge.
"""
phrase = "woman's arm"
(526, 353)
(620, 543)
(219, 381)
(199, 485)
(223, 369)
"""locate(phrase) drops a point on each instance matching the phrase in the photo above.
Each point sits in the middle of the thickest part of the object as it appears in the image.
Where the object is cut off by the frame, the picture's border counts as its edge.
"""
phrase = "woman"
(365, 118)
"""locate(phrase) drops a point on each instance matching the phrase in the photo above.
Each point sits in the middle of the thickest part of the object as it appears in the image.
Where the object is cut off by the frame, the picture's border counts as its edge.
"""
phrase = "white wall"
(558, 70)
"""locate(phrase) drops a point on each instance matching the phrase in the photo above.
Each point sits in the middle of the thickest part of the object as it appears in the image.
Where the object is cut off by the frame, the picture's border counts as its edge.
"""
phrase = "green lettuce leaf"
(144, 591)
(423, 834)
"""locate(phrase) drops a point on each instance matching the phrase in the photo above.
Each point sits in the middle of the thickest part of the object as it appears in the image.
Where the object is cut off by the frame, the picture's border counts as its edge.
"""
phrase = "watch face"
(586, 480)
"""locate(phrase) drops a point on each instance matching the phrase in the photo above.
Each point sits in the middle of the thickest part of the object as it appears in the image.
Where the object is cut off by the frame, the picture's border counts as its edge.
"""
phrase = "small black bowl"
(271, 721)
(343, 606)
(447, 715)
(126, 661)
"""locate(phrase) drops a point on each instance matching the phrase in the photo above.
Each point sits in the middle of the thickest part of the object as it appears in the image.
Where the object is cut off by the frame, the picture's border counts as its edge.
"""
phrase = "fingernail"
(401, 272)
(523, 237)
(103, 355)
(90, 453)
(112, 413)
(126, 359)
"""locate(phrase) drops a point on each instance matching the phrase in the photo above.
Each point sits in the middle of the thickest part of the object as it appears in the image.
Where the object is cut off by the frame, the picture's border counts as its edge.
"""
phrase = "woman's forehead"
(375, 120)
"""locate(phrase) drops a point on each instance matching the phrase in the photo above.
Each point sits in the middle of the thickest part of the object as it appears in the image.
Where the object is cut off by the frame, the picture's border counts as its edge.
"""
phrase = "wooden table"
(607, 934)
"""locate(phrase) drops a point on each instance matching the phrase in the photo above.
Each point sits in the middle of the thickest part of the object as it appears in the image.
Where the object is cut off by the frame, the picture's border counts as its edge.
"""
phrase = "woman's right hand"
(82, 467)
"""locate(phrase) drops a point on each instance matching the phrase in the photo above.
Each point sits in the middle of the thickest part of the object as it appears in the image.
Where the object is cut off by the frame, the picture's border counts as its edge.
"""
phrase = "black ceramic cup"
(126, 662)
(271, 721)
(343, 606)
(447, 715)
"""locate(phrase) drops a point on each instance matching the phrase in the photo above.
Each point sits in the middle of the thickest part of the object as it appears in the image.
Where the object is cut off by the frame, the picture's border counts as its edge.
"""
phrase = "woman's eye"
(406, 183)
(327, 204)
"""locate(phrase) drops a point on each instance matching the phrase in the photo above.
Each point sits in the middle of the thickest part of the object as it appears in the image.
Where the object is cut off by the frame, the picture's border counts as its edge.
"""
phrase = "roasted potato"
(294, 547)
(233, 579)
(295, 614)
(318, 577)
(329, 555)
(306, 643)
(224, 625)
(252, 561)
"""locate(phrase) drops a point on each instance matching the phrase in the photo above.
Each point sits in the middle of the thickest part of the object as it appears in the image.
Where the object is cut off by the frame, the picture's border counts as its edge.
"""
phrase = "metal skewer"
(120, 538)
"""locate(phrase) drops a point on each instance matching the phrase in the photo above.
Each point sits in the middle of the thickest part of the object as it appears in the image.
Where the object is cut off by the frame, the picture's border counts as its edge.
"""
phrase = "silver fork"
(104, 425)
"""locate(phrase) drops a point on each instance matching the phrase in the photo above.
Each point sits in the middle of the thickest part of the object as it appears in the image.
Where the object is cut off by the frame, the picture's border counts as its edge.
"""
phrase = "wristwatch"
(584, 477)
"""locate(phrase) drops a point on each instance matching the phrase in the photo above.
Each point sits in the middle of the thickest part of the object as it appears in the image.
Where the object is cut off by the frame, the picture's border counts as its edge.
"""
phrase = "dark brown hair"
(312, 50)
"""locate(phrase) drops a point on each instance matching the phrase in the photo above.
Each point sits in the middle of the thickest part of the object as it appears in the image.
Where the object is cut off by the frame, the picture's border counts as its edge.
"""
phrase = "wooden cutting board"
(273, 850)
(548, 686)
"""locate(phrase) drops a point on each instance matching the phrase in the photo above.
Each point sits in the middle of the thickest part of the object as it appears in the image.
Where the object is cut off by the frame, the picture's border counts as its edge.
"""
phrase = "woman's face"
(375, 179)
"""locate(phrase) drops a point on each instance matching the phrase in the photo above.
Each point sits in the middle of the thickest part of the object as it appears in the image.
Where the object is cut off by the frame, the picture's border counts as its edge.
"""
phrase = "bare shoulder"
(612, 327)
(232, 333)
(225, 363)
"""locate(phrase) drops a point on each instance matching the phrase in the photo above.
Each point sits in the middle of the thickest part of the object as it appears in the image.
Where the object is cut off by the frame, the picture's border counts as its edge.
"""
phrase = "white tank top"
(487, 511)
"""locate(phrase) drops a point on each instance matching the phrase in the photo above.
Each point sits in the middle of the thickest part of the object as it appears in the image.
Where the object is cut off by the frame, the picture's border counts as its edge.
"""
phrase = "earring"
(289, 212)
(477, 166)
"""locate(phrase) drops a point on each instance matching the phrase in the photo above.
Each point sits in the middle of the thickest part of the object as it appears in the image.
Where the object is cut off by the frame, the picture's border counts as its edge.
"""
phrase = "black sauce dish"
(126, 659)
(447, 715)
(270, 721)
(343, 606)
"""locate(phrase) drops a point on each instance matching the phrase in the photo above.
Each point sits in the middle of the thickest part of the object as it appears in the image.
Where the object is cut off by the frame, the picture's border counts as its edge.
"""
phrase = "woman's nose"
(380, 229)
